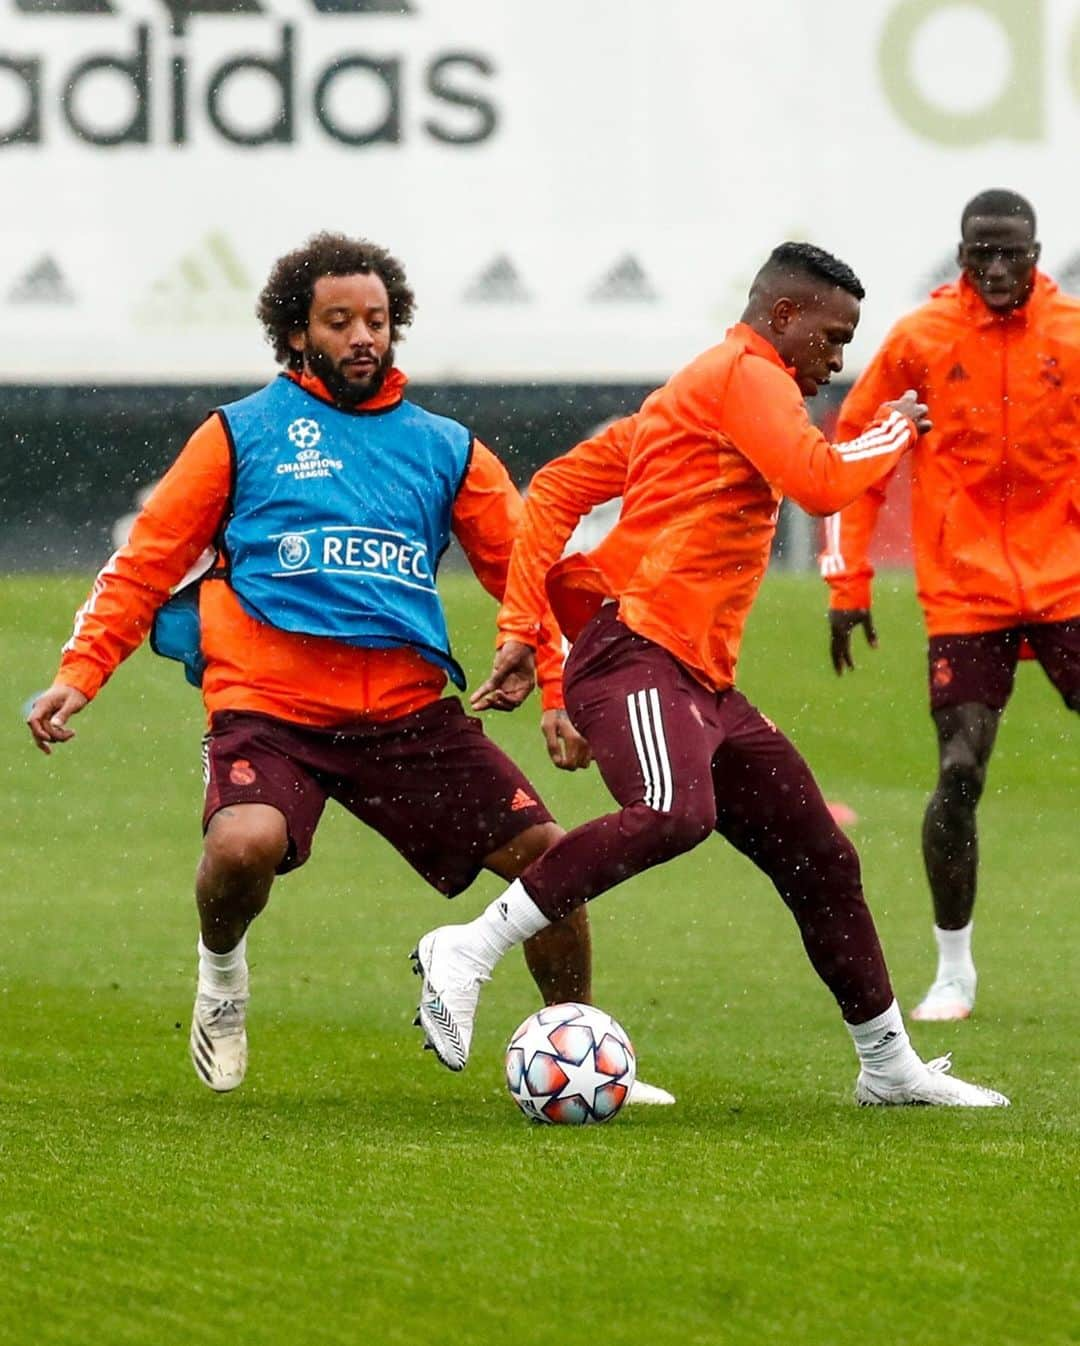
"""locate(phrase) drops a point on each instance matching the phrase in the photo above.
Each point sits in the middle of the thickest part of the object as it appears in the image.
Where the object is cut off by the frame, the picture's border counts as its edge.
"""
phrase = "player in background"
(996, 528)
(320, 637)
(656, 614)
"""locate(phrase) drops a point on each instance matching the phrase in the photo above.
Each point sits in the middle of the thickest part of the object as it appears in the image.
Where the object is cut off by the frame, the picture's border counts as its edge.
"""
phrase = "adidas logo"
(626, 282)
(504, 910)
(1050, 372)
(498, 283)
(206, 287)
(44, 283)
(957, 374)
(522, 801)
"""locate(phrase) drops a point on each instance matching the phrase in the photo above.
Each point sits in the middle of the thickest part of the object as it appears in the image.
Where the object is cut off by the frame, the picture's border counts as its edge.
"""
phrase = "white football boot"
(449, 995)
(219, 1041)
(932, 1087)
(950, 997)
(649, 1094)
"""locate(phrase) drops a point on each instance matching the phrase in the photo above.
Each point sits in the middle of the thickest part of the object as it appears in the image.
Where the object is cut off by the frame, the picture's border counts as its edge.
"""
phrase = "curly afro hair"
(285, 301)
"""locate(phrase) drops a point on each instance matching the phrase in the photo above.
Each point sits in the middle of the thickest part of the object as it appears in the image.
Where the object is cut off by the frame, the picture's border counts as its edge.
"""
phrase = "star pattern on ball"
(583, 1079)
(569, 1065)
(535, 1039)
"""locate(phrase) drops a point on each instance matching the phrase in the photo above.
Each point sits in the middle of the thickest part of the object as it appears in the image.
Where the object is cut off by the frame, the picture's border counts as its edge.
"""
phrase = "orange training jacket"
(995, 505)
(702, 468)
(255, 667)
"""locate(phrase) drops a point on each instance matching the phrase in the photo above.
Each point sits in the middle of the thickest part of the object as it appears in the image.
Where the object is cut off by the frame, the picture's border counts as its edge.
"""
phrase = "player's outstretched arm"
(566, 747)
(842, 621)
(50, 713)
(513, 676)
(765, 417)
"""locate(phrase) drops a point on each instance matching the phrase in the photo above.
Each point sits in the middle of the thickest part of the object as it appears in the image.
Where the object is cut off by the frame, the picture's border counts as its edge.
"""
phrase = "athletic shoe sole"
(939, 1014)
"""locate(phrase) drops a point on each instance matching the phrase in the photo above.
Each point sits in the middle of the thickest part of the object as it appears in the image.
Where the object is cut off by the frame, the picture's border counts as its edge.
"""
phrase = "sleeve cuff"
(849, 594)
(83, 676)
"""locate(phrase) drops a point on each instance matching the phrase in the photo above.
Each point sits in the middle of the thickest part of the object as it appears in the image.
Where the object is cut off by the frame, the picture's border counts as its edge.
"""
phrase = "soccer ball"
(570, 1065)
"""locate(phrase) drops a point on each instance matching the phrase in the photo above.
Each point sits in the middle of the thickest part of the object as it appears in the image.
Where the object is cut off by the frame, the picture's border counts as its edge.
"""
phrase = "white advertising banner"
(579, 189)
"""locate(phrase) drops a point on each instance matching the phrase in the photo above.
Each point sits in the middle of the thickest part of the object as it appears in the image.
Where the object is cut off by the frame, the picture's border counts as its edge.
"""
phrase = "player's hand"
(909, 405)
(50, 713)
(513, 676)
(842, 621)
(566, 747)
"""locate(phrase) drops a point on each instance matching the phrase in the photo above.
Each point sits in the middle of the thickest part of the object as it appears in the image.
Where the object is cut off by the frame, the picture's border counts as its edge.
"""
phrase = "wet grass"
(354, 1192)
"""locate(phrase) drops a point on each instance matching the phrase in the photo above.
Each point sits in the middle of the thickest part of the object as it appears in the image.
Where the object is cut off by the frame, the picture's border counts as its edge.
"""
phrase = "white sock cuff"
(954, 952)
(884, 1048)
(223, 962)
(870, 1033)
(954, 941)
(520, 912)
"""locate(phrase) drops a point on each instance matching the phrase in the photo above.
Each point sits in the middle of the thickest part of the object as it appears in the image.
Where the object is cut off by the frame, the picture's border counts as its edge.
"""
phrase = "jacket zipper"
(1006, 473)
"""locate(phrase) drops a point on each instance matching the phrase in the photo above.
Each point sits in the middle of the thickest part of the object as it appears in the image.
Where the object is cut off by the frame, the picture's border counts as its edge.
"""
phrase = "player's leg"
(560, 956)
(242, 848)
(260, 813)
(965, 740)
(770, 807)
(971, 679)
(640, 712)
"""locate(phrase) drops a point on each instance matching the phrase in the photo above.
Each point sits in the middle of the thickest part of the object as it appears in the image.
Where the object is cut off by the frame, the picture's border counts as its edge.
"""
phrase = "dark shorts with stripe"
(432, 783)
(982, 668)
(678, 759)
(683, 762)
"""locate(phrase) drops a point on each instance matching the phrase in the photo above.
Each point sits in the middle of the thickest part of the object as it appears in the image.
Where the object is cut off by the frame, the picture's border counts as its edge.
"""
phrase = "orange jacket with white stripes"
(255, 667)
(701, 467)
(995, 505)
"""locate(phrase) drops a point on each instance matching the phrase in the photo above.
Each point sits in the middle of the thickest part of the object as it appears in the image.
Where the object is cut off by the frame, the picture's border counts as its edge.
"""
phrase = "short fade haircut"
(807, 260)
(996, 202)
(285, 302)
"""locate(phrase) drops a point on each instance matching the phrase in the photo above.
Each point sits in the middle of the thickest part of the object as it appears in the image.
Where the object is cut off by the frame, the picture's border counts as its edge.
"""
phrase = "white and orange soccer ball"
(570, 1065)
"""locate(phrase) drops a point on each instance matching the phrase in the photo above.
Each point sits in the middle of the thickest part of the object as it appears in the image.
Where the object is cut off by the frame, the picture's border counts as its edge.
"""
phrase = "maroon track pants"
(682, 762)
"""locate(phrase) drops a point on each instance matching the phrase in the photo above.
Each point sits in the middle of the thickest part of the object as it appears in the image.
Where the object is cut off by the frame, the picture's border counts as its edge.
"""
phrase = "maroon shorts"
(432, 783)
(981, 668)
(682, 761)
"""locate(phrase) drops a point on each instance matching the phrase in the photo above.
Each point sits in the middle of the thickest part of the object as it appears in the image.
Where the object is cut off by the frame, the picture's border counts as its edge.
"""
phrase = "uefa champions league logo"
(293, 551)
(305, 433)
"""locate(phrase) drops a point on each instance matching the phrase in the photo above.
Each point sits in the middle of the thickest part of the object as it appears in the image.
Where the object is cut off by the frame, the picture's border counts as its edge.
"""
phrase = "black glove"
(842, 621)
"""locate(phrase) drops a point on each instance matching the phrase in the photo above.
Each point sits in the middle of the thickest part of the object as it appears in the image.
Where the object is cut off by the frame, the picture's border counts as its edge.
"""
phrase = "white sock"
(884, 1049)
(954, 953)
(510, 919)
(224, 975)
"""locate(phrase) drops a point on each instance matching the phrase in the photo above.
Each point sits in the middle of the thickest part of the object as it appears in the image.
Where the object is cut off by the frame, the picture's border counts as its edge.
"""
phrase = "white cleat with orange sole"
(948, 999)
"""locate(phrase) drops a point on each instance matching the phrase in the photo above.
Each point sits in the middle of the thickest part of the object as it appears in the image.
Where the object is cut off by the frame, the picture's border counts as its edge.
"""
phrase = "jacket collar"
(758, 345)
(976, 311)
(389, 395)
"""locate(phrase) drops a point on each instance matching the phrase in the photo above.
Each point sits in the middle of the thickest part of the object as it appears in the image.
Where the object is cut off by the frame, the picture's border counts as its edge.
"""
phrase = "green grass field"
(353, 1191)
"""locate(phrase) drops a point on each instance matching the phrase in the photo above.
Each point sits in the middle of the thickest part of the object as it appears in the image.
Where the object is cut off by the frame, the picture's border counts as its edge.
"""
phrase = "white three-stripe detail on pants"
(647, 728)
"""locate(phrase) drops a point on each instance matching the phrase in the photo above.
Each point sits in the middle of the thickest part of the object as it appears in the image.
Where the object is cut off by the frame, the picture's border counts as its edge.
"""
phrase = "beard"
(349, 392)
